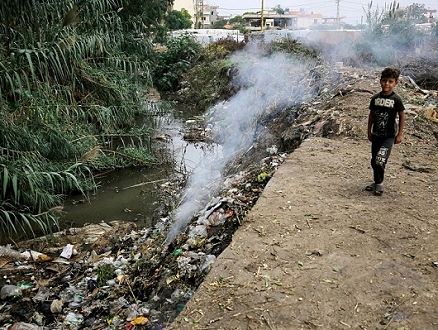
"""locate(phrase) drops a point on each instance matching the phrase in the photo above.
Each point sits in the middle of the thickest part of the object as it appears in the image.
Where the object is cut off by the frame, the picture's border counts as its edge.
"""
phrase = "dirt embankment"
(318, 251)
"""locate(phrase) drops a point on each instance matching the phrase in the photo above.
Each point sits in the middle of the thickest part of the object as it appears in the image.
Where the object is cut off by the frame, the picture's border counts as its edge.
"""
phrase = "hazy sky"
(351, 10)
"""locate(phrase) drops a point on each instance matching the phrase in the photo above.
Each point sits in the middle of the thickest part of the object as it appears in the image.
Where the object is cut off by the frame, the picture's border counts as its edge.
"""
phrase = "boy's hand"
(398, 139)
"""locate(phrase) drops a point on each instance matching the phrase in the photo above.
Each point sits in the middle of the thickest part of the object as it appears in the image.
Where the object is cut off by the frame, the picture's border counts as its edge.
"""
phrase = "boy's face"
(388, 84)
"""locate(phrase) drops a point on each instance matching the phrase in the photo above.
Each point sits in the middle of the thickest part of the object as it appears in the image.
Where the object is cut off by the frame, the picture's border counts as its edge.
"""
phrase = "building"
(291, 20)
(184, 4)
(208, 16)
(431, 15)
(305, 21)
(203, 15)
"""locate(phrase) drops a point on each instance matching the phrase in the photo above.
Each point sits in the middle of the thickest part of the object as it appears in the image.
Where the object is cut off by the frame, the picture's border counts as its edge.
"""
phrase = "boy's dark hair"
(390, 73)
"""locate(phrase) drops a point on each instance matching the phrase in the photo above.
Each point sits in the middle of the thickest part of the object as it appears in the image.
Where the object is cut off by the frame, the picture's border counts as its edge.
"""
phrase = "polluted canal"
(69, 280)
(139, 274)
(130, 194)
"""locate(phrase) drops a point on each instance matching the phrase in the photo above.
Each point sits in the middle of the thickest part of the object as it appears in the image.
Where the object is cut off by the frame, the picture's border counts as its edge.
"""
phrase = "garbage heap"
(114, 276)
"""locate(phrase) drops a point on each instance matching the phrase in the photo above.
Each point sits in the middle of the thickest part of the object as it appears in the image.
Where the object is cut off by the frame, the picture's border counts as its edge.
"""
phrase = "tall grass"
(70, 76)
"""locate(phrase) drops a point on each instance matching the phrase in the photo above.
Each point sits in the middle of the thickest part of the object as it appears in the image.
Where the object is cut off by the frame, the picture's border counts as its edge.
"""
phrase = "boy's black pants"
(380, 151)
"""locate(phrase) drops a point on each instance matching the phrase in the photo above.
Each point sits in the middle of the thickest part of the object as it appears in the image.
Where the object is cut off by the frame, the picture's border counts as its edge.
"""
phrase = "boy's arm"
(401, 127)
(370, 125)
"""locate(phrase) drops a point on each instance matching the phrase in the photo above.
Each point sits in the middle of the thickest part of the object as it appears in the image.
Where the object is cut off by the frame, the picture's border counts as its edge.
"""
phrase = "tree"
(417, 13)
(145, 16)
(392, 33)
(279, 10)
(182, 53)
(219, 24)
(237, 22)
(178, 20)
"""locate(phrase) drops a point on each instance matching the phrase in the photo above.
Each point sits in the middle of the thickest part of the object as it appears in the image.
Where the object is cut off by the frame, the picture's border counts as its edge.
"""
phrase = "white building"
(188, 5)
(206, 16)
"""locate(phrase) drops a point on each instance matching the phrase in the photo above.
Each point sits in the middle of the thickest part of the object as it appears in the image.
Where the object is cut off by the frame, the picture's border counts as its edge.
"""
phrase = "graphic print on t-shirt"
(387, 103)
(381, 119)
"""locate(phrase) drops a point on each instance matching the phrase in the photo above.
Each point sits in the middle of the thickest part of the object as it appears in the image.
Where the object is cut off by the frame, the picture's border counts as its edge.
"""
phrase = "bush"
(180, 56)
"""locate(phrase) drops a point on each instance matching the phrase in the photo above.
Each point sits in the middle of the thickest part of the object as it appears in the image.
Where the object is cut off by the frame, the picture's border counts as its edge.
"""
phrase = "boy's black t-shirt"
(385, 109)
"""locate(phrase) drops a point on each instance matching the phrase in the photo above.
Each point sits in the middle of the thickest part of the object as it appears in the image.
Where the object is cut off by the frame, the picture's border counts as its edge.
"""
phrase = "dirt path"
(319, 252)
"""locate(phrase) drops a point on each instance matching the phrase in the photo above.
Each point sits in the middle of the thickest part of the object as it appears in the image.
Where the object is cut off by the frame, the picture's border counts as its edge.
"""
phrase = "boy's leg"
(380, 151)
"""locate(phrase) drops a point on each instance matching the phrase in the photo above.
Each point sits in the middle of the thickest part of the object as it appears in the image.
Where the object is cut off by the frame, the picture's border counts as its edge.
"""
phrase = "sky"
(352, 11)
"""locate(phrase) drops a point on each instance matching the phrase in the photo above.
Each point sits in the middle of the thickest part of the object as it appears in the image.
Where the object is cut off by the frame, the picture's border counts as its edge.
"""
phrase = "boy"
(382, 128)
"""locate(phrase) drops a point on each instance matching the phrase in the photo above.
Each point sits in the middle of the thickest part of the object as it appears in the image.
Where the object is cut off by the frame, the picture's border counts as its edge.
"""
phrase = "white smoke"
(267, 83)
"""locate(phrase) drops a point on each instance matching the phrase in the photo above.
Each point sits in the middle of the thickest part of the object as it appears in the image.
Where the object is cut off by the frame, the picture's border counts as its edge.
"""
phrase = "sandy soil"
(319, 252)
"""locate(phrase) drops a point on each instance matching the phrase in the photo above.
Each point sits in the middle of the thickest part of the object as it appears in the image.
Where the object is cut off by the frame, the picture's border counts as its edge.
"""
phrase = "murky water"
(129, 194)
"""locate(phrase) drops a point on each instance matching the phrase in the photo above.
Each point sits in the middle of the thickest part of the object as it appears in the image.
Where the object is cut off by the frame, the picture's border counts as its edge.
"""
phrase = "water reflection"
(126, 195)
(129, 194)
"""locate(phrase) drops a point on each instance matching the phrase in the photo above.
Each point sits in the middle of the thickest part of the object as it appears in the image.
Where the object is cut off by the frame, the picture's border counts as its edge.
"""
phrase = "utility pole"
(199, 14)
(262, 15)
(196, 14)
(202, 13)
(337, 13)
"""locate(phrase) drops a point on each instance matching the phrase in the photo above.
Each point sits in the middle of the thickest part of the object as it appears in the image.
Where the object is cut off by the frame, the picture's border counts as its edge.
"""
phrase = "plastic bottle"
(6, 251)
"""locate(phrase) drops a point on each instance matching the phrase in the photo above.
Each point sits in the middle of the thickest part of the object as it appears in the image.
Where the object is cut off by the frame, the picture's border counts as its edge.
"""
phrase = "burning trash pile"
(114, 276)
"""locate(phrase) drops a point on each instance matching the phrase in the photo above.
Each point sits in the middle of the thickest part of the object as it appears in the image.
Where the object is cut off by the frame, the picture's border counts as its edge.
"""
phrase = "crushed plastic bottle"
(209, 259)
(176, 295)
(77, 301)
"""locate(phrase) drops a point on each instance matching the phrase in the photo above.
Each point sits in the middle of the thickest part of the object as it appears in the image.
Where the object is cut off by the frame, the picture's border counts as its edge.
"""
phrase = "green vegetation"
(105, 272)
(236, 23)
(181, 54)
(71, 82)
(178, 20)
(391, 33)
(295, 48)
(210, 79)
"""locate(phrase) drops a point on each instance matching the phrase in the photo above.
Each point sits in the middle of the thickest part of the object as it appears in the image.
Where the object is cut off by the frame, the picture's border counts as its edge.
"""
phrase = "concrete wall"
(329, 37)
(205, 36)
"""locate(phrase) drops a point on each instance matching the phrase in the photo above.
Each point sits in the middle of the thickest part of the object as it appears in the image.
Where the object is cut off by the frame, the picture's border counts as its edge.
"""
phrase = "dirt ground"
(319, 252)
